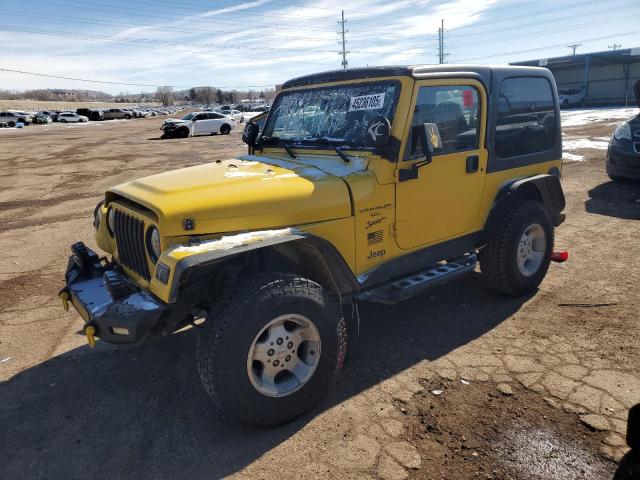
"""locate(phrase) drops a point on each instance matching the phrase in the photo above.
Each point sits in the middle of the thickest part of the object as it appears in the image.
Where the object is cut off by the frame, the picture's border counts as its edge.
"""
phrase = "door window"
(455, 110)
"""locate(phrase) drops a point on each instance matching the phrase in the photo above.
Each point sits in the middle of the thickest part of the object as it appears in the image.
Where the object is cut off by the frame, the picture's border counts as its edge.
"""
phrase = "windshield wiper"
(275, 141)
(289, 151)
(342, 155)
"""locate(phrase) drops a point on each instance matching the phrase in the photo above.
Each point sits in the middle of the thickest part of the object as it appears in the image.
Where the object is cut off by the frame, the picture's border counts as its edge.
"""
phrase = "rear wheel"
(271, 351)
(11, 123)
(225, 129)
(517, 257)
(63, 120)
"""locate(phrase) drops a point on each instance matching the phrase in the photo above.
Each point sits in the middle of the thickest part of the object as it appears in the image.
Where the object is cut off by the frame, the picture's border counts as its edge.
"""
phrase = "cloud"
(215, 47)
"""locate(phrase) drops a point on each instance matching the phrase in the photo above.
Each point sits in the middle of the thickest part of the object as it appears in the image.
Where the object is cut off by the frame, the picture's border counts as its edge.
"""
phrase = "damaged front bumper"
(114, 309)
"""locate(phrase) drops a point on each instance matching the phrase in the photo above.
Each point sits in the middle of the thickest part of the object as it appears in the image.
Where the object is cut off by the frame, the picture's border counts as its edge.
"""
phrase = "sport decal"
(367, 102)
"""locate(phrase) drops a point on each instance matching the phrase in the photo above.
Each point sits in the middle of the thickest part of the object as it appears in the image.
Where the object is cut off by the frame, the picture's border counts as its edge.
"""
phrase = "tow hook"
(90, 332)
(560, 257)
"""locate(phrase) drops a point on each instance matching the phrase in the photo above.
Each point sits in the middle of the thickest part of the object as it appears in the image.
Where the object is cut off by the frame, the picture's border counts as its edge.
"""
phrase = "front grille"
(130, 241)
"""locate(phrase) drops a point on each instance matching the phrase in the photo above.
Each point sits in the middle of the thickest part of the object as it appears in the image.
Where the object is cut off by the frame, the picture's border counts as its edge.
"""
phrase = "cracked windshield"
(338, 116)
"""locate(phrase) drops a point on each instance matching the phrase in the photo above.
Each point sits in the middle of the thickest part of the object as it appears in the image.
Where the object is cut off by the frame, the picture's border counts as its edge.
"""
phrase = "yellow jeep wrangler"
(362, 185)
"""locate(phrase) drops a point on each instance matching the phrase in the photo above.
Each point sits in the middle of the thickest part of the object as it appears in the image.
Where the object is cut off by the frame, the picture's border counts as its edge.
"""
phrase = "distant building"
(607, 76)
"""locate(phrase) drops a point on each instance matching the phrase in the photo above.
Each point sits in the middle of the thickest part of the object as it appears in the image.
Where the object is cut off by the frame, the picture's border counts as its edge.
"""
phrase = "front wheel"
(225, 129)
(517, 257)
(270, 351)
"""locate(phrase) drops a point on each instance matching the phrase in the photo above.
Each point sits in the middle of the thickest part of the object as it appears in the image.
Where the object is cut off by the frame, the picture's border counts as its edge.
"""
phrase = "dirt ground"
(566, 357)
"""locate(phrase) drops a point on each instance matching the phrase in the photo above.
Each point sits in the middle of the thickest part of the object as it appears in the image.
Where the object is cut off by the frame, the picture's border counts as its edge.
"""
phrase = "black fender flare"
(342, 279)
(545, 188)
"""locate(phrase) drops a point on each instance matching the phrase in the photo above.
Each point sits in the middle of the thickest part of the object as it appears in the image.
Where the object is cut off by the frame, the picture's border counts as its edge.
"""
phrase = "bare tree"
(164, 95)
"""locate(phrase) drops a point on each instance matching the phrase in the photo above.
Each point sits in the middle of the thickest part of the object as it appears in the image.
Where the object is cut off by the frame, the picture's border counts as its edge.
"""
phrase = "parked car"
(42, 118)
(623, 155)
(92, 114)
(571, 97)
(117, 114)
(197, 123)
(236, 115)
(71, 117)
(12, 118)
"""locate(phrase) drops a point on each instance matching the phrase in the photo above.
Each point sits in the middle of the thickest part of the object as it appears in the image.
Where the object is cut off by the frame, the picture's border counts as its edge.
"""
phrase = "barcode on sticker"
(367, 102)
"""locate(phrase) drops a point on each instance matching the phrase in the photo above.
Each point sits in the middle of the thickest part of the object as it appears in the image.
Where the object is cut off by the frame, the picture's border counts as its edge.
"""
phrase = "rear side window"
(526, 121)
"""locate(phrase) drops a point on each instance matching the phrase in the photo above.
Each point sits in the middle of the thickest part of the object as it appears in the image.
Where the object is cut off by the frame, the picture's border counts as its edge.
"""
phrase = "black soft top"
(485, 73)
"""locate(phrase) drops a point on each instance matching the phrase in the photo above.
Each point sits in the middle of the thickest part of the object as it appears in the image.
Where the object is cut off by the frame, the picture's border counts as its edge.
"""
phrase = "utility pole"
(614, 47)
(441, 54)
(344, 42)
(574, 46)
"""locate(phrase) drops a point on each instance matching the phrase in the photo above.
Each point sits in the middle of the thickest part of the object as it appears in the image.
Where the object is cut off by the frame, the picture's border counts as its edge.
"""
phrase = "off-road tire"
(231, 327)
(225, 129)
(498, 259)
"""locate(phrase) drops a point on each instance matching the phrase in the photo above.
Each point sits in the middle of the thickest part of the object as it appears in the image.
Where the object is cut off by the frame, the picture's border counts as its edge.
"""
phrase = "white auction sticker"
(367, 102)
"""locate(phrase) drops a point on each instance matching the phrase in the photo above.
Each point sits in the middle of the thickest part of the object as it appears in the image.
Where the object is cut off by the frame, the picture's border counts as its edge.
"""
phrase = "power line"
(544, 47)
(110, 10)
(2, 69)
(574, 46)
(344, 43)
(144, 43)
(441, 54)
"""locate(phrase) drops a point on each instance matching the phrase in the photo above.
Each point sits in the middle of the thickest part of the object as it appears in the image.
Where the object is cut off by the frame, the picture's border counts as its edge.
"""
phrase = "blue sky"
(264, 42)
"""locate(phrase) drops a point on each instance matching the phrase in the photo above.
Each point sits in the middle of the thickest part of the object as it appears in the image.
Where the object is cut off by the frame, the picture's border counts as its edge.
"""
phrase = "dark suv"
(623, 154)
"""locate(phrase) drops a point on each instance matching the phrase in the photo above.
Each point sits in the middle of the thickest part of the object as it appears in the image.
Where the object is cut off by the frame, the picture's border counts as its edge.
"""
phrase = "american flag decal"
(374, 237)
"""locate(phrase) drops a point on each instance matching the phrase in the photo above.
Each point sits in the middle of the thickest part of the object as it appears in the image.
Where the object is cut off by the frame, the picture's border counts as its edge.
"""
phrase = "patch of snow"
(572, 157)
(231, 241)
(575, 118)
(281, 176)
(579, 143)
(241, 174)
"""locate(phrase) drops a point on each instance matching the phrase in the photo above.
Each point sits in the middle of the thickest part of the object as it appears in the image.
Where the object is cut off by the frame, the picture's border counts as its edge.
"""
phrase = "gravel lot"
(457, 383)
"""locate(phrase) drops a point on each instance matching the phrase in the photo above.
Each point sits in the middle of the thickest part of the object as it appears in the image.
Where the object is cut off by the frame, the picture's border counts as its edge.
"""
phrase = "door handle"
(473, 162)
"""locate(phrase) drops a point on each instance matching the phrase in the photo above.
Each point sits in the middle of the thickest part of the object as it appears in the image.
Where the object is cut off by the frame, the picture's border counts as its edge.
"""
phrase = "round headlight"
(111, 221)
(153, 243)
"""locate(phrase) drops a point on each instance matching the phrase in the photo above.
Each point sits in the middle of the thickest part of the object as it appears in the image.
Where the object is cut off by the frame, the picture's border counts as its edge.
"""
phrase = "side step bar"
(418, 283)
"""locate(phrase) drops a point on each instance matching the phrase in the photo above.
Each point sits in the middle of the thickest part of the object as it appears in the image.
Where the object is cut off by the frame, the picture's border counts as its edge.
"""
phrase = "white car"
(237, 115)
(197, 123)
(571, 97)
(70, 117)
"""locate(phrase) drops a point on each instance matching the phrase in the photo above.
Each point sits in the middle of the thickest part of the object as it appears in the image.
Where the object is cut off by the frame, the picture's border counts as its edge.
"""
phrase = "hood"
(247, 193)
(176, 120)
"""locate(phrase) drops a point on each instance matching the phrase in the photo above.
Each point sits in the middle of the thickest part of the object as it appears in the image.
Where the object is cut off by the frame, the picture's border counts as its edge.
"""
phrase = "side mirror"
(250, 134)
(428, 135)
